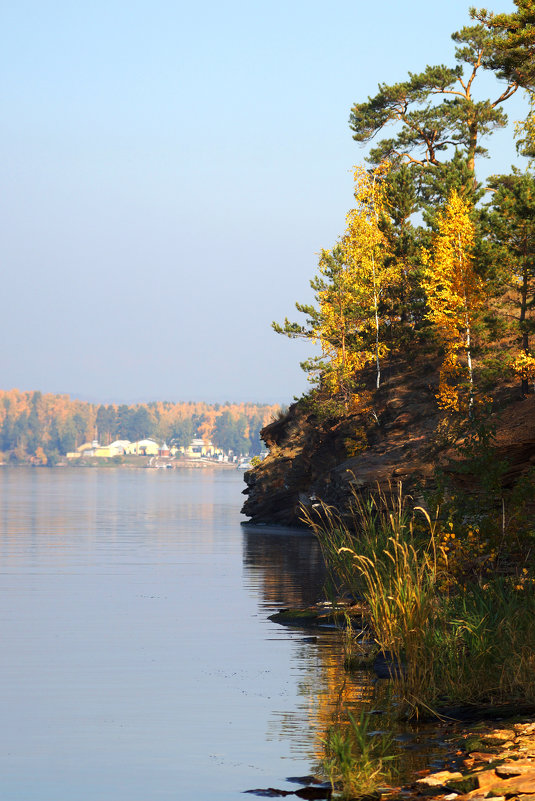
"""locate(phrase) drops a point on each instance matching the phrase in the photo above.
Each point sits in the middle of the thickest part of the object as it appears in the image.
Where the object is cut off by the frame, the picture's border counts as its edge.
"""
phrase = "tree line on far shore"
(42, 427)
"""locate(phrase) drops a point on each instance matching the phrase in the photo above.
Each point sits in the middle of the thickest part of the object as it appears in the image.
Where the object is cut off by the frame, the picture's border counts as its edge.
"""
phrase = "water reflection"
(138, 660)
(286, 568)
(47, 515)
(288, 564)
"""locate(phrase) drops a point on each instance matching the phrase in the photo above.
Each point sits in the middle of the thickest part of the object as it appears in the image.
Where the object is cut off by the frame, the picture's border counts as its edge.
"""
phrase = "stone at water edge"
(519, 768)
(439, 779)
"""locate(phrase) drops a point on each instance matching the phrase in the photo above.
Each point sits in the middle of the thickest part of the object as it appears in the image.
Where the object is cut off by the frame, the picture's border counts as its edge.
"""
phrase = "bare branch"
(447, 92)
(473, 75)
(511, 89)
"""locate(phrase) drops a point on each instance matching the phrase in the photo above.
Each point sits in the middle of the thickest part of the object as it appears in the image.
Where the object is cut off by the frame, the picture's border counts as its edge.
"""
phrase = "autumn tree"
(206, 425)
(33, 424)
(341, 348)
(454, 294)
(365, 248)
(357, 291)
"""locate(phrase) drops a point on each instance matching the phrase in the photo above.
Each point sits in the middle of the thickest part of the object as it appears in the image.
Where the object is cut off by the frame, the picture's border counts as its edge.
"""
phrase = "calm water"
(137, 661)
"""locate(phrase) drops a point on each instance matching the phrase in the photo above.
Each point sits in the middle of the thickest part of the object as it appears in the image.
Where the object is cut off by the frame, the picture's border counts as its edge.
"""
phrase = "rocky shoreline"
(488, 759)
(396, 441)
(491, 761)
(486, 752)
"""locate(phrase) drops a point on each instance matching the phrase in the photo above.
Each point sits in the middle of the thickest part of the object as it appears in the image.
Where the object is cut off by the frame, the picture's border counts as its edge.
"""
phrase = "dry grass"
(447, 643)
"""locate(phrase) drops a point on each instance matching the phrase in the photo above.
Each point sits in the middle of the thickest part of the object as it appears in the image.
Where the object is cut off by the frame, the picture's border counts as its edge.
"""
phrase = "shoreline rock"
(309, 459)
(504, 769)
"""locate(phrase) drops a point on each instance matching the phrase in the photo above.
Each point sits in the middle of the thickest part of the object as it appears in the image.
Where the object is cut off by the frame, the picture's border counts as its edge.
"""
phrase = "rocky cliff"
(395, 438)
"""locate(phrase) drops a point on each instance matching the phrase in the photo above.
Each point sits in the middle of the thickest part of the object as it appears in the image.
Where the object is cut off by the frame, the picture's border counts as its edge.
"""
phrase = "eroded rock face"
(301, 453)
(308, 460)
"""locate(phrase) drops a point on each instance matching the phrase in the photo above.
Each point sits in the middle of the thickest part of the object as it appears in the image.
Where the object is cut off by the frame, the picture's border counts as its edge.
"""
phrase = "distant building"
(198, 448)
(87, 447)
(103, 452)
(145, 447)
(120, 445)
(116, 448)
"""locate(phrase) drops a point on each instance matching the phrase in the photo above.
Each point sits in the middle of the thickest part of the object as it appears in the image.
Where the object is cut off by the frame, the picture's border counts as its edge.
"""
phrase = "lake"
(137, 660)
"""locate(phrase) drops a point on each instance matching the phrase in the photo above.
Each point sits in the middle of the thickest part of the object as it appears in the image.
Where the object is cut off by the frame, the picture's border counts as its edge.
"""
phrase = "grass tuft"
(356, 760)
(457, 630)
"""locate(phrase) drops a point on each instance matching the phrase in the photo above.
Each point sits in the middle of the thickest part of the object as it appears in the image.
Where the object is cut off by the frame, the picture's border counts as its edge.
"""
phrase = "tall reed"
(446, 643)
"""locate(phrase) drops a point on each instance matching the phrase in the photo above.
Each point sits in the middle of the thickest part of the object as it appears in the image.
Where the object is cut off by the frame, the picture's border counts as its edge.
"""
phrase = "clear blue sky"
(170, 172)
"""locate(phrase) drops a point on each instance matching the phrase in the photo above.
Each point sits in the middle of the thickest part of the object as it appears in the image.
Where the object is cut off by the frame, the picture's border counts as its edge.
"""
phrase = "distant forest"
(42, 427)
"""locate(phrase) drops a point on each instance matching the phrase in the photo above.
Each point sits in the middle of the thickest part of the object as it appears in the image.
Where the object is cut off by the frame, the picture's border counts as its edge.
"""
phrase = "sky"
(170, 172)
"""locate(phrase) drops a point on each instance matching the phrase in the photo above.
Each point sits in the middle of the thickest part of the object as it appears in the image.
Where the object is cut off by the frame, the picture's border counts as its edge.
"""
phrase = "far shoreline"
(142, 464)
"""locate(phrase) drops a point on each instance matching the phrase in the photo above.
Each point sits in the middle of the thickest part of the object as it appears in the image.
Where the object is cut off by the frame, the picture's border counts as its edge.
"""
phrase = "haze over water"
(137, 660)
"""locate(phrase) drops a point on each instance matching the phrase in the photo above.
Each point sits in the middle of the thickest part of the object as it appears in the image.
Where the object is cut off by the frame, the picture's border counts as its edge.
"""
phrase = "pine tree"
(513, 42)
(406, 305)
(525, 133)
(509, 224)
(331, 323)
(435, 110)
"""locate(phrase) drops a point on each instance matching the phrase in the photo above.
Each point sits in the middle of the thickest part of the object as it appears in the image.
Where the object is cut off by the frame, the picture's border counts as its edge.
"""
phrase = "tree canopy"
(512, 38)
(430, 257)
(435, 110)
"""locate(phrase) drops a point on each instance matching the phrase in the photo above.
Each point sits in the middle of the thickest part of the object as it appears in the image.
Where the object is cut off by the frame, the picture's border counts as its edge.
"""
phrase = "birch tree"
(366, 248)
(454, 294)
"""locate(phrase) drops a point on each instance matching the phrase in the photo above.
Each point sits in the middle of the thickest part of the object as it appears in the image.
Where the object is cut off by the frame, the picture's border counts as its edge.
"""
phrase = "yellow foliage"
(524, 366)
(40, 455)
(364, 243)
(357, 443)
(337, 307)
(344, 366)
(453, 288)
(366, 248)
(334, 326)
(454, 294)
